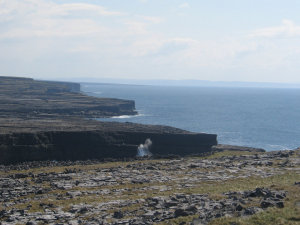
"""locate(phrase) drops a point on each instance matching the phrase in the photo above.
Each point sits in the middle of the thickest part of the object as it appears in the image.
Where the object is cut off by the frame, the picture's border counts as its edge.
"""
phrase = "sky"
(215, 40)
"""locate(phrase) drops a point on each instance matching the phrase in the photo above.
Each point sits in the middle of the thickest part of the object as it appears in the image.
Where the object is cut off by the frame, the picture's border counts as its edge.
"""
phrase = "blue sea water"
(256, 117)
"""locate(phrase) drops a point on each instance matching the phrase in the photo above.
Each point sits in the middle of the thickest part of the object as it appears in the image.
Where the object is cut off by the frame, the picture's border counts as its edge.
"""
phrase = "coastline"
(217, 111)
(43, 120)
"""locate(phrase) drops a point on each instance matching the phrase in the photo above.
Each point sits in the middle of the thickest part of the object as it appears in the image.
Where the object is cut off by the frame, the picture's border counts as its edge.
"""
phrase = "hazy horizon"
(171, 83)
(188, 83)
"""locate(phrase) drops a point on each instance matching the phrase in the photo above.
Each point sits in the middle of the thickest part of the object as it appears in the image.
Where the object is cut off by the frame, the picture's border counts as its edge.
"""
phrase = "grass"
(281, 181)
(60, 169)
(229, 153)
(179, 220)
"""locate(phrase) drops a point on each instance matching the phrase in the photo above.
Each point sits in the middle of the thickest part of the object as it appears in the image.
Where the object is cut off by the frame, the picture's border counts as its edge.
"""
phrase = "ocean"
(256, 117)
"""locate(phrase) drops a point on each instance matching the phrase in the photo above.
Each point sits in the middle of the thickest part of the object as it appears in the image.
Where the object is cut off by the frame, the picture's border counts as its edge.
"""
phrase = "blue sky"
(232, 40)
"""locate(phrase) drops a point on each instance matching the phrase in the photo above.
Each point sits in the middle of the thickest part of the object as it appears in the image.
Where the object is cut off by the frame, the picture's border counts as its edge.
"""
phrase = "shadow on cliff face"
(144, 149)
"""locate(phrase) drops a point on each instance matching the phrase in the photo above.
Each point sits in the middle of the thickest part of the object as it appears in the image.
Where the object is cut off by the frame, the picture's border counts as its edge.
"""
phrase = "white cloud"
(287, 29)
(51, 28)
(44, 8)
(41, 18)
(152, 19)
(80, 7)
(184, 5)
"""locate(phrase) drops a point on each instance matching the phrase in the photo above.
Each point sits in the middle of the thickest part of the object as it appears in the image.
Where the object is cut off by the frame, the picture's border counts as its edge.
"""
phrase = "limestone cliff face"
(80, 145)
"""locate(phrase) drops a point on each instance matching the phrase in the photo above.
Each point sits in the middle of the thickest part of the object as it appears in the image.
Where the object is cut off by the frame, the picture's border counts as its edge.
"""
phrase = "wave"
(278, 147)
(97, 92)
(127, 116)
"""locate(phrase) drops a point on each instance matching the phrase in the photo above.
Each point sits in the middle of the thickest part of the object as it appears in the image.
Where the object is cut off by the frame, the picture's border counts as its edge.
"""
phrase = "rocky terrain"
(228, 187)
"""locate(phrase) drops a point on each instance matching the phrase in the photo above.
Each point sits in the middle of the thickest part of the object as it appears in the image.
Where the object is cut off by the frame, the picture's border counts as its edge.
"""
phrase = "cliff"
(77, 139)
(97, 144)
(25, 97)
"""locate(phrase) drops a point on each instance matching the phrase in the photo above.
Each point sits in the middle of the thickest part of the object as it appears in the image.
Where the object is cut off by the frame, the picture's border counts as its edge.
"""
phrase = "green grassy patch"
(230, 153)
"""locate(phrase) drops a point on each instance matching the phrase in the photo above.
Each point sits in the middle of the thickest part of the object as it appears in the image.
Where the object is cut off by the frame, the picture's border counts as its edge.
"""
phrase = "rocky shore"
(190, 190)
